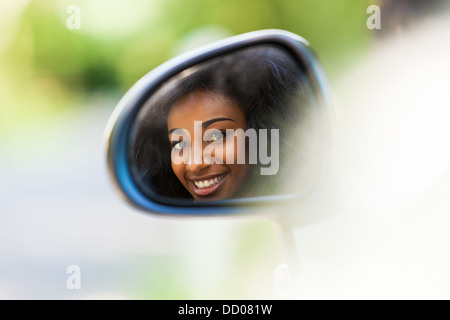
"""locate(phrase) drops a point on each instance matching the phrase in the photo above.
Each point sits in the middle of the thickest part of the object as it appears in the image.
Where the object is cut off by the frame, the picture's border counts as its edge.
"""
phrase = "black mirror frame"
(120, 123)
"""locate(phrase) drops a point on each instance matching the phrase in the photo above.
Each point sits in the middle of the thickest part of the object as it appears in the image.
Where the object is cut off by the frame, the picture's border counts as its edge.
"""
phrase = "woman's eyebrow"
(206, 123)
(209, 122)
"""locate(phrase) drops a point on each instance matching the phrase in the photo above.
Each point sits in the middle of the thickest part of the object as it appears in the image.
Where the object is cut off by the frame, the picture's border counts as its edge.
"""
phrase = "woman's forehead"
(203, 106)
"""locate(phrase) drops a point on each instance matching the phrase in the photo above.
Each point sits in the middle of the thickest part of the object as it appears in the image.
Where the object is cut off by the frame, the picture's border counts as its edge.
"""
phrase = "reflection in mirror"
(236, 126)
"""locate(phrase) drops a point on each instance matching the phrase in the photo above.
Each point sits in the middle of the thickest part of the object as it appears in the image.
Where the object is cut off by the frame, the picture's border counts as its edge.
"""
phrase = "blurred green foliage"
(120, 41)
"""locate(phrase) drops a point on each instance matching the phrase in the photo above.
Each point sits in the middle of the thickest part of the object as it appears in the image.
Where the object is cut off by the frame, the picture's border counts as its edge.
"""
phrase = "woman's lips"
(208, 186)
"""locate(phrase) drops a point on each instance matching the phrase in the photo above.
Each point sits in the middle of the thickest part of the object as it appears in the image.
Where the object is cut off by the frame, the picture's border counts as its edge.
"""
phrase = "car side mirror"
(238, 124)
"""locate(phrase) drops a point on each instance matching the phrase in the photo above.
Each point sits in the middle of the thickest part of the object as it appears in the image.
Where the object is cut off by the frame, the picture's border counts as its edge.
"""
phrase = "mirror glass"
(237, 126)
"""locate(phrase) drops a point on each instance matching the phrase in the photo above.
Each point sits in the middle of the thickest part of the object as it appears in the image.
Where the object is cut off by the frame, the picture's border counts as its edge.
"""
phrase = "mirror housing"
(121, 124)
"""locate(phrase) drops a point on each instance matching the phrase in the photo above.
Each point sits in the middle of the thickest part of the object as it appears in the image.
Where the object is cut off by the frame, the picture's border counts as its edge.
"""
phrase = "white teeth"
(208, 183)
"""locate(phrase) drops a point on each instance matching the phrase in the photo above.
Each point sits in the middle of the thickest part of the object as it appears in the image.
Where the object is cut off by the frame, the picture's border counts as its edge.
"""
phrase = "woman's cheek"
(220, 153)
(238, 148)
(228, 154)
(178, 170)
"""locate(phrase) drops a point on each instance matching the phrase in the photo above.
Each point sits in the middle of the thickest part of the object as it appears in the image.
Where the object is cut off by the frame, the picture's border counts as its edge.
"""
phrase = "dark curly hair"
(264, 81)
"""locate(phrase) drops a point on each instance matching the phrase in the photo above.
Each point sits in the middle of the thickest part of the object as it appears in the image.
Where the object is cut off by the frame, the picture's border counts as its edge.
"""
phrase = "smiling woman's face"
(212, 178)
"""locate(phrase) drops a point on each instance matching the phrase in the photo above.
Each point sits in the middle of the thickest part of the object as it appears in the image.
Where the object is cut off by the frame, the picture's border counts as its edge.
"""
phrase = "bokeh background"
(58, 87)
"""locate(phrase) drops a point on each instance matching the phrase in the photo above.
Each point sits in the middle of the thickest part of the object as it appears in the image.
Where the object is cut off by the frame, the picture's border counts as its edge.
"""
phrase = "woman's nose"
(198, 163)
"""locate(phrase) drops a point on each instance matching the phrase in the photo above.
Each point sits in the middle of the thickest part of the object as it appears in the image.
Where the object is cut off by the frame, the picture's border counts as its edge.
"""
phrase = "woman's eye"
(180, 145)
(216, 136)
